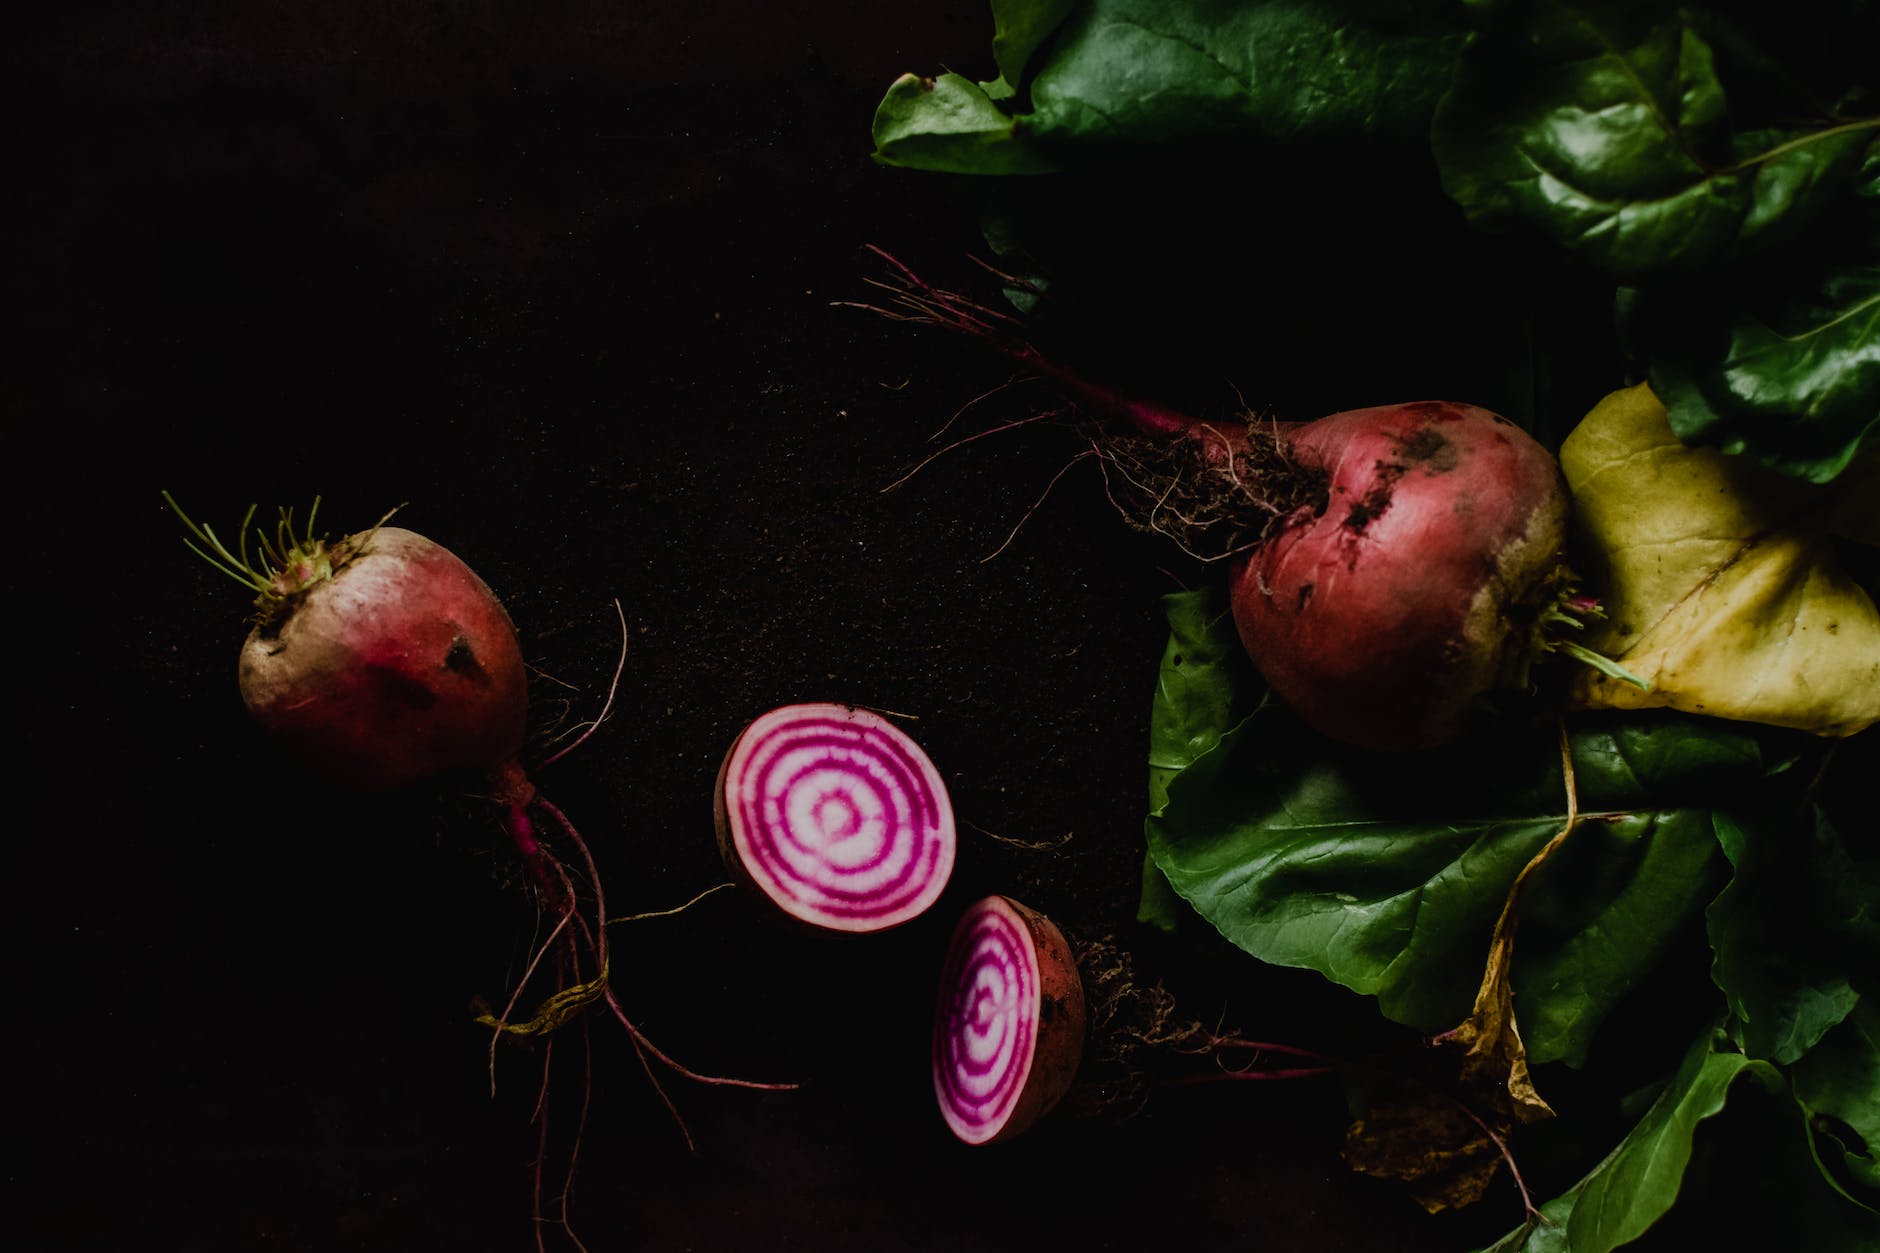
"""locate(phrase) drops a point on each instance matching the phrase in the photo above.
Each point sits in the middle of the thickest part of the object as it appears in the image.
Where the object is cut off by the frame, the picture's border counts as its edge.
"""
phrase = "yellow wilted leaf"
(1720, 580)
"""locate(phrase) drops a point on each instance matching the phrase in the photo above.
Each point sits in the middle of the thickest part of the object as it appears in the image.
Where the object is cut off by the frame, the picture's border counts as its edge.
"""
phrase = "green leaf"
(1605, 125)
(1132, 75)
(949, 124)
(1756, 1182)
(1205, 686)
(1144, 72)
(1202, 690)
(1546, 1236)
(1386, 873)
(1778, 361)
(1799, 921)
(1018, 28)
(1782, 366)
(1158, 904)
(1598, 919)
(1637, 1183)
(1840, 1080)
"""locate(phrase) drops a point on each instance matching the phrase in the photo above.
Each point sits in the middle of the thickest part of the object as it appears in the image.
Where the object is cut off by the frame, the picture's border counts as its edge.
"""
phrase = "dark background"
(558, 276)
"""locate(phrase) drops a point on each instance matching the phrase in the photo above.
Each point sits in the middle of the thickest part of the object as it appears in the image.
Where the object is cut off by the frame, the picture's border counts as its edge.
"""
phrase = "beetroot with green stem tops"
(401, 670)
(1008, 1030)
(835, 817)
(380, 660)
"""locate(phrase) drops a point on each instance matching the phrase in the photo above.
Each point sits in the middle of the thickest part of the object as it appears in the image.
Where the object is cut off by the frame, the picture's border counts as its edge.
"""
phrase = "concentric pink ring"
(838, 817)
(986, 1025)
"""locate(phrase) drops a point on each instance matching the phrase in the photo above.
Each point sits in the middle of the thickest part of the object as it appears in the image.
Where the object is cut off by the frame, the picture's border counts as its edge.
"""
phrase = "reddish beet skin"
(399, 667)
(1384, 616)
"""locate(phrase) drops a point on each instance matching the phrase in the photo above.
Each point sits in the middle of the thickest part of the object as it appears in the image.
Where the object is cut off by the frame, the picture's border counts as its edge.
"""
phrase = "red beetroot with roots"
(381, 660)
(1389, 567)
(1381, 616)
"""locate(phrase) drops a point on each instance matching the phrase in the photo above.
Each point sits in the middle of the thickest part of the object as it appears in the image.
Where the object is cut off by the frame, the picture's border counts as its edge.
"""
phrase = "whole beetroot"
(381, 660)
(1383, 616)
(1390, 566)
(387, 661)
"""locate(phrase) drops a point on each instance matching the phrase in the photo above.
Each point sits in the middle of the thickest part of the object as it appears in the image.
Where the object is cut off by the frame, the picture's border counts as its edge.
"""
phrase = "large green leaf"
(1386, 873)
(1128, 75)
(1840, 1080)
(1605, 125)
(1018, 28)
(1637, 1183)
(950, 124)
(1598, 920)
(1798, 924)
(1796, 930)
(1204, 687)
(1798, 387)
(1781, 364)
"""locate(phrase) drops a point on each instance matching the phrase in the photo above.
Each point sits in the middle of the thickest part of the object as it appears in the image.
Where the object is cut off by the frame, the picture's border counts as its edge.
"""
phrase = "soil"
(558, 278)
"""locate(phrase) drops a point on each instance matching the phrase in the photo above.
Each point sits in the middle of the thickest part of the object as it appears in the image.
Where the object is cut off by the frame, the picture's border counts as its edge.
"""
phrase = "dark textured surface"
(559, 277)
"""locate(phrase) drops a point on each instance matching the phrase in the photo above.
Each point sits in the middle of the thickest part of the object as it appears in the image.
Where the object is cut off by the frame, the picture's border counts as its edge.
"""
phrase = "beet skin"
(398, 668)
(1383, 617)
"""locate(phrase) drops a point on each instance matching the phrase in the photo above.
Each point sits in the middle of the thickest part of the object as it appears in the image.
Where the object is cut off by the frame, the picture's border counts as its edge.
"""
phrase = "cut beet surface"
(1009, 1028)
(836, 817)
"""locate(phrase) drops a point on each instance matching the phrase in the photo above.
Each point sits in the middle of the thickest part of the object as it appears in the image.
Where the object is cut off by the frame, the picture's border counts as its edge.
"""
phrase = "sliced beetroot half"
(834, 815)
(1009, 1029)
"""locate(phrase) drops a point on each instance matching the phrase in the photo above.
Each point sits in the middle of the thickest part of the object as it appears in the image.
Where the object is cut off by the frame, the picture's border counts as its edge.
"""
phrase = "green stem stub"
(284, 565)
(1571, 611)
(1602, 663)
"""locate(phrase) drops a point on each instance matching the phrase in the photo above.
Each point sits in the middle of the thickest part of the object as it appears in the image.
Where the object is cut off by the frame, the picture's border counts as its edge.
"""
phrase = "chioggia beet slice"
(836, 817)
(1009, 1028)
